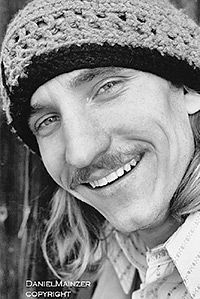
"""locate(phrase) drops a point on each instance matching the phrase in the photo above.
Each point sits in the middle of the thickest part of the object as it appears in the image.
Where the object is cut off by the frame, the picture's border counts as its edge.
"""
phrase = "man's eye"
(46, 125)
(48, 121)
(109, 87)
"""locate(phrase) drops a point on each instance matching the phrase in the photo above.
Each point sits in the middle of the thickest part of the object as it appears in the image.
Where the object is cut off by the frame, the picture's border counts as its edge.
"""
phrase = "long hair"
(74, 241)
(186, 199)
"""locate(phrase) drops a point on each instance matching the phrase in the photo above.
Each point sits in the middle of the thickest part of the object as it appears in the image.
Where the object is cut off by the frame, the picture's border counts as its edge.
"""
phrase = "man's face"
(117, 139)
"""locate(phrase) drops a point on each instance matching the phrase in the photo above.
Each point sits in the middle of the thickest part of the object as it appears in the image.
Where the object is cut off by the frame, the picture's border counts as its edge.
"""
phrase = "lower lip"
(118, 181)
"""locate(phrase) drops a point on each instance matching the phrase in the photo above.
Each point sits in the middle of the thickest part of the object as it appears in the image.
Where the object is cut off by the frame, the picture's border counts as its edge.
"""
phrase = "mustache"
(107, 161)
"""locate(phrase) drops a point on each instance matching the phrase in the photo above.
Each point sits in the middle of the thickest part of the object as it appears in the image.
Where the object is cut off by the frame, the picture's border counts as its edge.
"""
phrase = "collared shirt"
(169, 271)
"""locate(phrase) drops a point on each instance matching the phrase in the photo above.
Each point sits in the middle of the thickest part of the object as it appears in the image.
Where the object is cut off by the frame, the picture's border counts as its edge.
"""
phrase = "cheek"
(182, 136)
(135, 113)
(51, 158)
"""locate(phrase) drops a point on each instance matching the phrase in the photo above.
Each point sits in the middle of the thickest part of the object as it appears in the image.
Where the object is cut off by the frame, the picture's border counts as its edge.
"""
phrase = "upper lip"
(100, 173)
(97, 173)
(105, 173)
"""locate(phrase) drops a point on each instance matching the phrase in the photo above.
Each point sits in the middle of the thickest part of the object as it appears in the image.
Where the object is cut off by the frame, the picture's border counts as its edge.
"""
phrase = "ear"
(192, 101)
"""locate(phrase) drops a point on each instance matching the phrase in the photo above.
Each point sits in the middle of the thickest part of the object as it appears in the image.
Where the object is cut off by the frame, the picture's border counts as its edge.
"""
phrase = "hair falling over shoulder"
(74, 241)
(186, 199)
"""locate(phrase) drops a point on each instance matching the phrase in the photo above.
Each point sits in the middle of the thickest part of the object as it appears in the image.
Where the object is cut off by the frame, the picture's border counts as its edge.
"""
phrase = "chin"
(133, 219)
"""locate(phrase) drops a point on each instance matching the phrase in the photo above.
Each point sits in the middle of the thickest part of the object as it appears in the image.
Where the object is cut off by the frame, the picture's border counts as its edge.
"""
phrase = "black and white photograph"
(100, 149)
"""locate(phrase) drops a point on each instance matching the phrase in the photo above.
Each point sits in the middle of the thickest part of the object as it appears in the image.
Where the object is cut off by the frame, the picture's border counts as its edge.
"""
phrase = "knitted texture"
(50, 37)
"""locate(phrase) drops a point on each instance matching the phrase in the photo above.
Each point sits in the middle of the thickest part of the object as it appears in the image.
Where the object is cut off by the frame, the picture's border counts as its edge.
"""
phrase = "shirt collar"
(183, 248)
(126, 254)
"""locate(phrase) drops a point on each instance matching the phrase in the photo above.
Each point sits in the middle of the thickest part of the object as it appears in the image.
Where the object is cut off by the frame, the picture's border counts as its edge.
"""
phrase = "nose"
(85, 140)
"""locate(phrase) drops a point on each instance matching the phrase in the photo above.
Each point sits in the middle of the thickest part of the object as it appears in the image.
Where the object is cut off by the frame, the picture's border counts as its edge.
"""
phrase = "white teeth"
(102, 182)
(114, 175)
(127, 167)
(96, 184)
(120, 172)
(133, 162)
(92, 184)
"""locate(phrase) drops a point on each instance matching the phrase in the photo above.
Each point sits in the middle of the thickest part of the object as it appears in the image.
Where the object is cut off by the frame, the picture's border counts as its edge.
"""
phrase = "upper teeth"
(114, 175)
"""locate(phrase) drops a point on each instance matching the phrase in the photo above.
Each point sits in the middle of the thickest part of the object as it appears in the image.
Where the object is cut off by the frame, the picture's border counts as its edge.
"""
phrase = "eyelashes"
(49, 120)
(44, 122)
(109, 87)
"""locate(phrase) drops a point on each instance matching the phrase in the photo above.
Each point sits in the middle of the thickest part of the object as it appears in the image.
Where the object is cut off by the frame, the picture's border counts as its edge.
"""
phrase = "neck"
(159, 234)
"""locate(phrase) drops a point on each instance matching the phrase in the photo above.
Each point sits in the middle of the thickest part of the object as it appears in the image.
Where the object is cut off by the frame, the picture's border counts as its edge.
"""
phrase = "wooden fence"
(22, 179)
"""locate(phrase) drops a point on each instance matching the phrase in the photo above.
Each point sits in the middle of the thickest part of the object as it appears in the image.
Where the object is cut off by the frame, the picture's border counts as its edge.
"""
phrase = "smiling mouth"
(115, 175)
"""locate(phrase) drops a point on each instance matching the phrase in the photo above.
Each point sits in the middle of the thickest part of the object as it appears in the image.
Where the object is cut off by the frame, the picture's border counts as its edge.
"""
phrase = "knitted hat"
(51, 37)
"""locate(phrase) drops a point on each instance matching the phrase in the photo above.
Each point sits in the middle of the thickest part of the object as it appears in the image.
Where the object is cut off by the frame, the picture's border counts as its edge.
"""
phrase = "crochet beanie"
(51, 37)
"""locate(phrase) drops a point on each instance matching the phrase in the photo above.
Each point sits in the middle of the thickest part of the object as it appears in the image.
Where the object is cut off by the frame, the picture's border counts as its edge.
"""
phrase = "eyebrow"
(88, 75)
(85, 76)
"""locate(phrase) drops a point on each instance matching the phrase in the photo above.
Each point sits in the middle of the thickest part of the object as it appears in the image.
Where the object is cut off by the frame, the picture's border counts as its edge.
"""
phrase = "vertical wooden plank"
(8, 248)
(3, 248)
(4, 17)
(12, 188)
(11, 197)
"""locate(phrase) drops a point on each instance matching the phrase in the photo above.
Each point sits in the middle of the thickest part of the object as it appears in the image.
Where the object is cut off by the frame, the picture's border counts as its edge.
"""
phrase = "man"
(107, 94)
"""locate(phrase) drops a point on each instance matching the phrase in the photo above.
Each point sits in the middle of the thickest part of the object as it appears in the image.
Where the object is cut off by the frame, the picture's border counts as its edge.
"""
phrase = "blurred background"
(24, 193)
